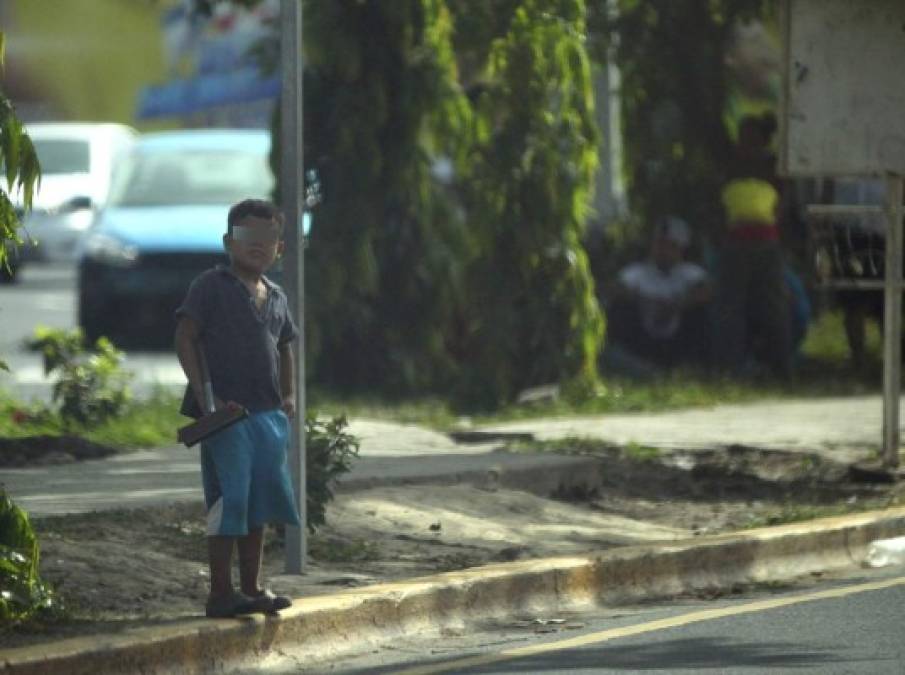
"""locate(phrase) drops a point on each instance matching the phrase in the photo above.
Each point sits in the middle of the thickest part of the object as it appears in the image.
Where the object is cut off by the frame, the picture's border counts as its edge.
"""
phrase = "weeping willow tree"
(384, 268)
(535, 318)
(475, 281)
(676, 87)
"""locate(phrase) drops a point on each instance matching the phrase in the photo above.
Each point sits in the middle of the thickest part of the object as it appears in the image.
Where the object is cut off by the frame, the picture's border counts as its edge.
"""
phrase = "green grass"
(333, 550)
(149, 422)
(641, 453)
(577, 445)
(614, 396)
(795, 513)
(826, 343)
(824, 370)
(570, 445)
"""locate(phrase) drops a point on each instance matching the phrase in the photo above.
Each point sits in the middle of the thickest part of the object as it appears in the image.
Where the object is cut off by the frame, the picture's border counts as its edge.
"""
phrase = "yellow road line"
(649, 627)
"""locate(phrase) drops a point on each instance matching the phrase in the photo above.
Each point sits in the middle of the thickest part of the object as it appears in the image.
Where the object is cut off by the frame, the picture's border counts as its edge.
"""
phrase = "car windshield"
(183, 177)
(59, 155)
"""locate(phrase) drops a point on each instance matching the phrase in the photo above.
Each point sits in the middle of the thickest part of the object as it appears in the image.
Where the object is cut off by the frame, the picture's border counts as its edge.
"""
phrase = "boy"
(240, 322)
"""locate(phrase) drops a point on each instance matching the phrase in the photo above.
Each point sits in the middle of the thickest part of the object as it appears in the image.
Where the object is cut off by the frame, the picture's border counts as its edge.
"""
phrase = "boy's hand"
(289, 407)
(230, 405)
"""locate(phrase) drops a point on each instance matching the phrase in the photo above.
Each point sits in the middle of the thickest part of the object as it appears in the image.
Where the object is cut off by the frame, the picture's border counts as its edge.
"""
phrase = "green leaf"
(30, 171)
(12, 134)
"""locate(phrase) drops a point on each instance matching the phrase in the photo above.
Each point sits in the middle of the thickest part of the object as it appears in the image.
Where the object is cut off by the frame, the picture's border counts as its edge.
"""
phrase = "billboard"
(843, 94)
(214, 77)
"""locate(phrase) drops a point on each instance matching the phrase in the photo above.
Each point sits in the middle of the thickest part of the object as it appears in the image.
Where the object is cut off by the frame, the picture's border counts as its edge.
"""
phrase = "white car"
(77, 160)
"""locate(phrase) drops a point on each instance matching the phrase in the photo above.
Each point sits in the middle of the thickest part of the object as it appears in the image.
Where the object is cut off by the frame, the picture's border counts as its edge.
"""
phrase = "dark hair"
(765, 124)
(257, 208)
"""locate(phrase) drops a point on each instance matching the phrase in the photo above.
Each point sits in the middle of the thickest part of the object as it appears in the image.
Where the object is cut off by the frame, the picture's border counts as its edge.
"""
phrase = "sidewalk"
(391, 454)
(844, 429)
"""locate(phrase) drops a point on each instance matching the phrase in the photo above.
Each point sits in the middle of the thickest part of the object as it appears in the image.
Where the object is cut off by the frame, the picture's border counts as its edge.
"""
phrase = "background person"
(657, 309)
(752, 294)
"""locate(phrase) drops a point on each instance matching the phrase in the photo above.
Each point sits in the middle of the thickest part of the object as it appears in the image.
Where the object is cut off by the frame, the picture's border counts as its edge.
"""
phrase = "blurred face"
(665, 252)
(254, 245)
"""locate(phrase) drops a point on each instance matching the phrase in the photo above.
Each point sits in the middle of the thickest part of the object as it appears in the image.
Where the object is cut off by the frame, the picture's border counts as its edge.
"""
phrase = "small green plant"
(794, 513)
(571, 445)
(333, 550)
(330, 450)
(641, 453)
(23, 595)
(91, 387)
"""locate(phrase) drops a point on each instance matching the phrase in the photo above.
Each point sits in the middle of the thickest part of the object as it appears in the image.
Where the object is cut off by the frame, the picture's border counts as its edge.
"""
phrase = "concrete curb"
(324, 626)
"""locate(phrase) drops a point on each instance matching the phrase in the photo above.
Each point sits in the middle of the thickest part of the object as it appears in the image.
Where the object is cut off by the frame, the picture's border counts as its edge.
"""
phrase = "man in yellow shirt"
(752, 303)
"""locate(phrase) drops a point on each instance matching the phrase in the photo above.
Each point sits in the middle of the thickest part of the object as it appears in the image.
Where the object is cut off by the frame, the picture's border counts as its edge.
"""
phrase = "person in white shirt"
(658, 309)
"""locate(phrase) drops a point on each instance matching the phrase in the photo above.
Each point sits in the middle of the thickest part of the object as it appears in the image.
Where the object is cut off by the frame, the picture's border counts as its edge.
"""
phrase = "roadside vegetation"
(151, 421)
(24, 596)
(91, 398)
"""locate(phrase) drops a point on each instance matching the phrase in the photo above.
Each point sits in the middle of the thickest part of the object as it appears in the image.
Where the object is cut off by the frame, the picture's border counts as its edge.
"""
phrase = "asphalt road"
(855, 624)
(46, 295)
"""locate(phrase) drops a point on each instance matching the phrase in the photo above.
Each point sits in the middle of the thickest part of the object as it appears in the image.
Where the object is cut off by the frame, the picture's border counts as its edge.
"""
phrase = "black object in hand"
(210, 424)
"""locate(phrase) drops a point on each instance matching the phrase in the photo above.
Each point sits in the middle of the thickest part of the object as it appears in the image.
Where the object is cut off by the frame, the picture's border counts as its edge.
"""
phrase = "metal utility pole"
(892, 322)
(293, 199)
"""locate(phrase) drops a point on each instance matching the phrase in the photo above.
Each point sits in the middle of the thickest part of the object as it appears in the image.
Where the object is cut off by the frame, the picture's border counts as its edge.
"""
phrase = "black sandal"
(235, 604)
(277, 602)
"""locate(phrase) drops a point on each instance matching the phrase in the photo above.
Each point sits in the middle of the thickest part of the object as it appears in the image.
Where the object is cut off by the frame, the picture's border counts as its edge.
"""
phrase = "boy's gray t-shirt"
(241, 342)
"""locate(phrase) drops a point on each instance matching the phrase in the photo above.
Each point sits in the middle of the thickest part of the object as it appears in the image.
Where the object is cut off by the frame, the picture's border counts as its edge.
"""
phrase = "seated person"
(658, 309)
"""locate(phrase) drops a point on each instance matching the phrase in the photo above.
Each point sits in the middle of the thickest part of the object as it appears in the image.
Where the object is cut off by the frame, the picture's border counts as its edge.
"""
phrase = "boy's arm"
(287, 378)
(187, 334)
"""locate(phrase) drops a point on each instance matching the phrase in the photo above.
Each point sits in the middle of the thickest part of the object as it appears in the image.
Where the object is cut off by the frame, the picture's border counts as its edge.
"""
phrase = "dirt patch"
(43, 450)
(729, 488)
(119, 569)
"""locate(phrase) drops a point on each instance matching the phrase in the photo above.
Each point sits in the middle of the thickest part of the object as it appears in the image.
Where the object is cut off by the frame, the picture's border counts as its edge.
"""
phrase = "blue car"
(163, 224)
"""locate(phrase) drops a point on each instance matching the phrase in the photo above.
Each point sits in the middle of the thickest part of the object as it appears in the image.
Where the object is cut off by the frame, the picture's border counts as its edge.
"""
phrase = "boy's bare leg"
(220, 558)
(251, 551)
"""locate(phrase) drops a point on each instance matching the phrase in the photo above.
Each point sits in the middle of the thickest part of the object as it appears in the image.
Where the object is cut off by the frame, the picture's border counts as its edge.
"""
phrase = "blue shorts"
(246, 477)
